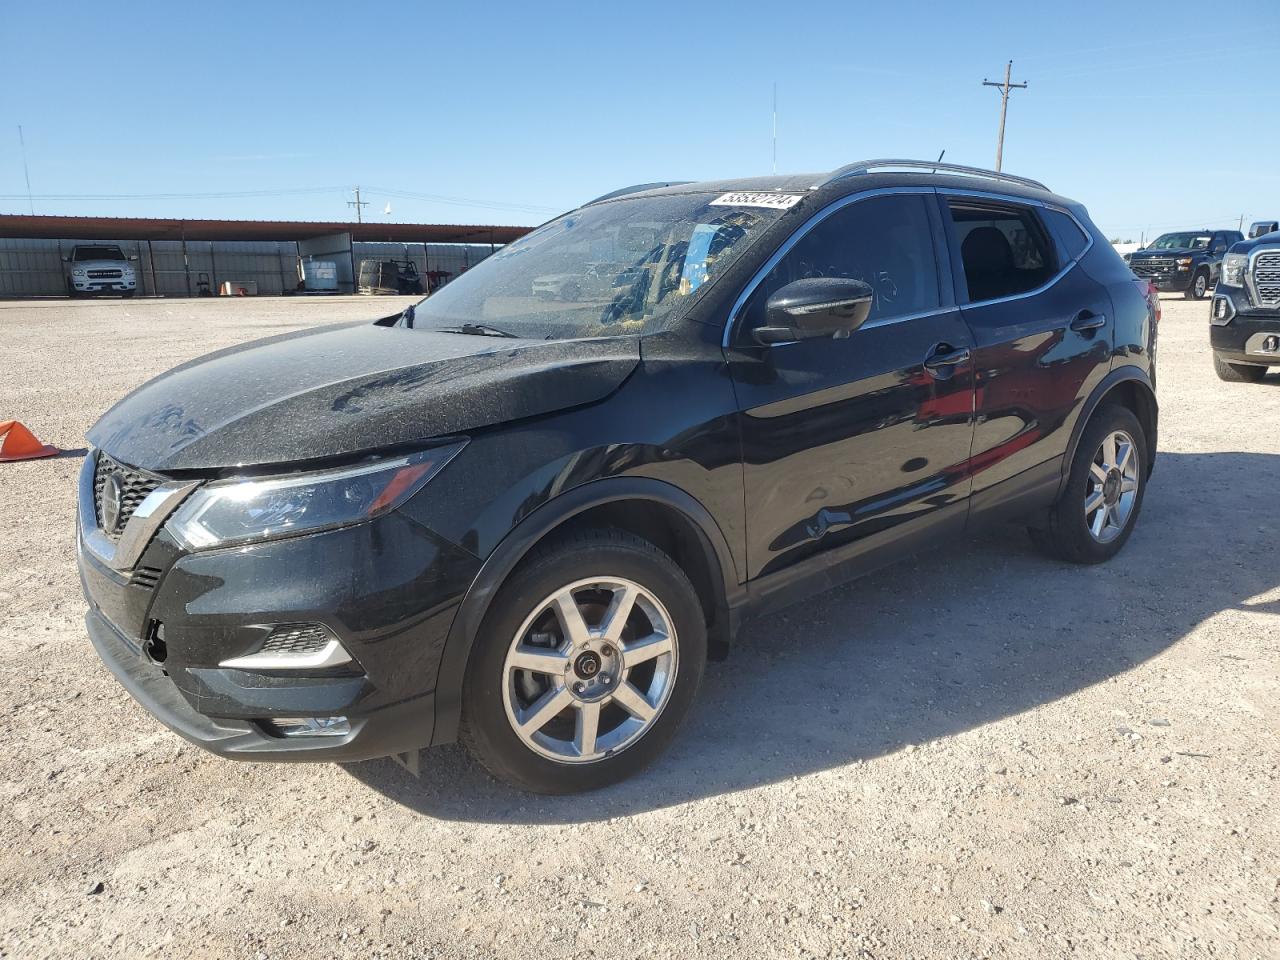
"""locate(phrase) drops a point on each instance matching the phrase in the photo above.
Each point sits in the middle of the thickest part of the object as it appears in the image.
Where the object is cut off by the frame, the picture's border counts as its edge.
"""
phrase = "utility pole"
(359, 205)
(1004, 89)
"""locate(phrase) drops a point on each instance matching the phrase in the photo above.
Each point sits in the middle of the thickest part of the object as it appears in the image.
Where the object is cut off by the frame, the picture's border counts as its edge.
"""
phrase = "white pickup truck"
(100, 268)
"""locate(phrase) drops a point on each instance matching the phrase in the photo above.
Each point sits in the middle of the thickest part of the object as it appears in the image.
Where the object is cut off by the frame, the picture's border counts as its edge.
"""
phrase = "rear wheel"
(1199, 286)
(1237, 372)
(1097, 509)
(586, 664)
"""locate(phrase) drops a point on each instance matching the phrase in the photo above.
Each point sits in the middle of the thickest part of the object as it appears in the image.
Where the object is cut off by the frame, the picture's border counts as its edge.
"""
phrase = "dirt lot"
(1026, 760)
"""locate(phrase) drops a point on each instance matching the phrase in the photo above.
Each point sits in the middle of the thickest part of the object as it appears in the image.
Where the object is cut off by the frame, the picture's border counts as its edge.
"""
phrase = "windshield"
(1181, 241)
(619, 267)
(97, 253)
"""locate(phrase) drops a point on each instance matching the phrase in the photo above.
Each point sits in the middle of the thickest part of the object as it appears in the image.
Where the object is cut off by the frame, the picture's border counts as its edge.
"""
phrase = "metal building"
(178, 258)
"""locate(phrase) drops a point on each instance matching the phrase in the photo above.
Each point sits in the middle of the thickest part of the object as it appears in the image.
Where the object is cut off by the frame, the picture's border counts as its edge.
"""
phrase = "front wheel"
(586, 664)
(1097, 509)
(1237, 372)
(1199, 286)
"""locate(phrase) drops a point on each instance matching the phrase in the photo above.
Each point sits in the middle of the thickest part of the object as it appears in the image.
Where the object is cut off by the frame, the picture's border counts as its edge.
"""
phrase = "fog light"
(1271, 344)
(310, 726)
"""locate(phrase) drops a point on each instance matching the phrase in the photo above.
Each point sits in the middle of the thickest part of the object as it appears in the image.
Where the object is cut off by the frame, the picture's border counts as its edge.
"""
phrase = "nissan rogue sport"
(526, 520)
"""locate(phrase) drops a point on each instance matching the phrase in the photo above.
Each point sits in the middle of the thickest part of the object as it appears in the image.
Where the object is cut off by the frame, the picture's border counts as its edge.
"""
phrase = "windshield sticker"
(774, 201)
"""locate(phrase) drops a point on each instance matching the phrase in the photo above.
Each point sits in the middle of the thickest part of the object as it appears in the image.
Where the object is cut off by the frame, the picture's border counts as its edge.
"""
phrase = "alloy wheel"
(1111, 490)
(590, 670)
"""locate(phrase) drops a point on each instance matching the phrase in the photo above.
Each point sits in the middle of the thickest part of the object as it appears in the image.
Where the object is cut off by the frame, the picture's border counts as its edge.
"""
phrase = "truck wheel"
(1099, 506)
(1199, 286)
(1237, 372)
(586, 664)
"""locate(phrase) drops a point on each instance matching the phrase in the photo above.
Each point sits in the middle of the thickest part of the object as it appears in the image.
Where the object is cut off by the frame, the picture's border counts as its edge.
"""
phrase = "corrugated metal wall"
(32, 268)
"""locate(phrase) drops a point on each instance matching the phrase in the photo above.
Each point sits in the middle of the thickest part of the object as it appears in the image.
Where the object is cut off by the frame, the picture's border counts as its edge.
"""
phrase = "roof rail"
(637, 188)
(928, 166)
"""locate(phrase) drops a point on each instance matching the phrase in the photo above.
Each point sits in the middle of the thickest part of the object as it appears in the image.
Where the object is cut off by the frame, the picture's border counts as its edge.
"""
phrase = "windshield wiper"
(476, 330)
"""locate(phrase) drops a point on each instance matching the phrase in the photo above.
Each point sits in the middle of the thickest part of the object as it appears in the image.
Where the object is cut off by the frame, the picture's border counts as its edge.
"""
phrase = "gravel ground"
(1025, 760)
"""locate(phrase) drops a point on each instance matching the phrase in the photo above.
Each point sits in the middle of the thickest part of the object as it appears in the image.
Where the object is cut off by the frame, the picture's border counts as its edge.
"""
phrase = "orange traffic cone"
(19, 443)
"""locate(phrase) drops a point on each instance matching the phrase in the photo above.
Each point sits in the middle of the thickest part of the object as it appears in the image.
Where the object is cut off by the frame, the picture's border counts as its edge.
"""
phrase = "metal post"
(151, 259)
(186, 260)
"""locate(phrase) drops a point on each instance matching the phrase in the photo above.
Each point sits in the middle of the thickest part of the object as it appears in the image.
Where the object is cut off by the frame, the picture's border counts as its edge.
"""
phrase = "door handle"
(944, 357)
(1088, 320)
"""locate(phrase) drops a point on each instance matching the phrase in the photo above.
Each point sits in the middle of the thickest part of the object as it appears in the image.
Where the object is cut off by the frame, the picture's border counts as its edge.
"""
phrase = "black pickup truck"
(1188, 261)
(1245, 318)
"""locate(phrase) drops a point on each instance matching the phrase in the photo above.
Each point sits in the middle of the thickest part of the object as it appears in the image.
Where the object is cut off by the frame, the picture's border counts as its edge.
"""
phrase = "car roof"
(856, 178)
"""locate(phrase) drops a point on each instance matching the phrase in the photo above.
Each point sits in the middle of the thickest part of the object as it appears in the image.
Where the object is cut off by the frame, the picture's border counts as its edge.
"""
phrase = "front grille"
(1266, 278)
(1152, 267)
(134, 487)
(105, 274)
(145, 577)
(299, 638)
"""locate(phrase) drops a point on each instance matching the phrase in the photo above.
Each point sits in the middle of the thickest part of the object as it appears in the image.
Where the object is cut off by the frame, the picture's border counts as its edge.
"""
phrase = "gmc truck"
(1186, 262)
(1245, 320)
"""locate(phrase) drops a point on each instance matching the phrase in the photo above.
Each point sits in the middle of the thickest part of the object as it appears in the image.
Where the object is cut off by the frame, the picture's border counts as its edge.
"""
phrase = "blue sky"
(1156, 115)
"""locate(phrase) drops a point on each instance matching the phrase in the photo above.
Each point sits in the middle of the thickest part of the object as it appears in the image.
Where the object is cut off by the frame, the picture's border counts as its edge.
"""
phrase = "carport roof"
(23, 226)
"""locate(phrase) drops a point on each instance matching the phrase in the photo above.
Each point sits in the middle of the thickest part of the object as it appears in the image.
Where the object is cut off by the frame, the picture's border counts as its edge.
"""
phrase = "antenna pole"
(775, 126)
(1004, 89)
(26, 173)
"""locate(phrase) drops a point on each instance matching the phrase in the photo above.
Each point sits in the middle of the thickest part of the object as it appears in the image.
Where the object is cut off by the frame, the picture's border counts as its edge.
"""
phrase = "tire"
(1199, 286)
(1237, 372)
(1068, 534)
(552, 757)
(571, 292)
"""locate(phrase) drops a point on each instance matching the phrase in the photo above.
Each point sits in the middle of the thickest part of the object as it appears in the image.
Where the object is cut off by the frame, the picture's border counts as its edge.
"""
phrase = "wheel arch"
(1130, 386)
(653, 509)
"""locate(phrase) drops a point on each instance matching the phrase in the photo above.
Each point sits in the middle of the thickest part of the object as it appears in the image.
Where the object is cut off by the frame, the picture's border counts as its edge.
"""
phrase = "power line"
(1004, 106)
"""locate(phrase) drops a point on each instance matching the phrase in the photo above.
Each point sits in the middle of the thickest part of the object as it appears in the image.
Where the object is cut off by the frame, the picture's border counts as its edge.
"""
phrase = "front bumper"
(1249, 335)
(387, 589)
(398, 728)
(1172, 282)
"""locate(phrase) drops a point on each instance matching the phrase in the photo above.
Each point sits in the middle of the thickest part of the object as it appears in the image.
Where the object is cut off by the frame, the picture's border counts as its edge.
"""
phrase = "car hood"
(102, 265)
(1172, 252)
(339, 391)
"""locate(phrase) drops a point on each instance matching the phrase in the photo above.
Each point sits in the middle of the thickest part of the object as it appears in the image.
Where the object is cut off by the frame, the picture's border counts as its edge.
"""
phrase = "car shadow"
(928, 648)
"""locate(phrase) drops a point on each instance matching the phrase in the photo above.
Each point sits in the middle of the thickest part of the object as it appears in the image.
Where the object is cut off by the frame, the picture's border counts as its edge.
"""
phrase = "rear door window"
(1004, 248)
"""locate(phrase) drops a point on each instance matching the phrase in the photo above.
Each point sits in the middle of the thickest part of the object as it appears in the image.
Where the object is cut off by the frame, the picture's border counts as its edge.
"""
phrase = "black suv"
(1188, 262)
(1245, 317)
(527, 520)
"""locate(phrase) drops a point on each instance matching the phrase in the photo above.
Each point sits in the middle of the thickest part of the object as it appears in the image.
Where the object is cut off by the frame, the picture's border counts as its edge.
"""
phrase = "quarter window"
(1072, 241)
(887, 242)
(1004, 249)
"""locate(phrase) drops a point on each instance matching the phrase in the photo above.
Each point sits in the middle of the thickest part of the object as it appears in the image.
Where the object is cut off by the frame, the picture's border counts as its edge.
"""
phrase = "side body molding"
(504, 558)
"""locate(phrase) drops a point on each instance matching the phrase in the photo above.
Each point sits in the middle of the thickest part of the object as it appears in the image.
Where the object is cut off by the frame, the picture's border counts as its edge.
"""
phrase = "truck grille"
(105, 274)
(1266, 278)
(1152, 267)
(134, 486)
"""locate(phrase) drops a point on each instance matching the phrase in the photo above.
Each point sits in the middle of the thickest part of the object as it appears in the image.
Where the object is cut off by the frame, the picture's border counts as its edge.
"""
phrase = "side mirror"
(817, 307)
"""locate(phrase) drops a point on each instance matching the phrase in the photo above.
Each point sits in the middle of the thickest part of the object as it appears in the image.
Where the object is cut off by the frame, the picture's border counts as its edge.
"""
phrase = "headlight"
(1184, 263)
(1233, 267)
(236, 511)
(78, 272)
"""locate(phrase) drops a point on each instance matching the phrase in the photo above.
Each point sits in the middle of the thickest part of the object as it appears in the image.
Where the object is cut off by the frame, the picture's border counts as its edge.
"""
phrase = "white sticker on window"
(774, 201)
